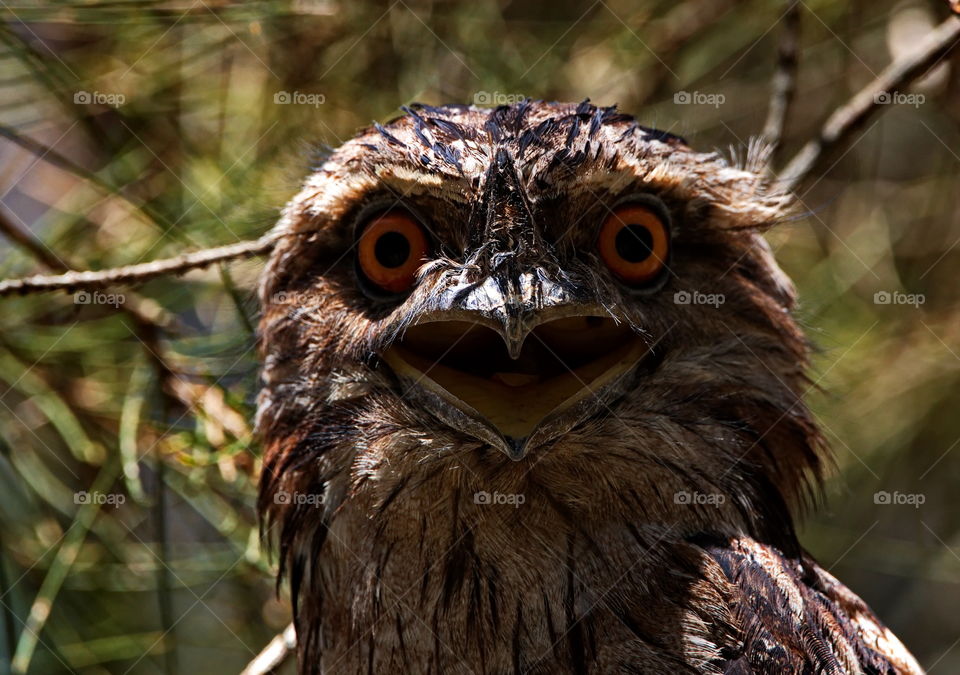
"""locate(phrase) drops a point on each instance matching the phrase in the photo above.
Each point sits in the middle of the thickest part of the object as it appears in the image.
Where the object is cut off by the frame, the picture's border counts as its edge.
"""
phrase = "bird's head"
(538, 284)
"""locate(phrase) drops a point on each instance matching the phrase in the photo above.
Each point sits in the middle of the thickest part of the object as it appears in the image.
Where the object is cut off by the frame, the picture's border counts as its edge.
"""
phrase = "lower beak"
(512, 391)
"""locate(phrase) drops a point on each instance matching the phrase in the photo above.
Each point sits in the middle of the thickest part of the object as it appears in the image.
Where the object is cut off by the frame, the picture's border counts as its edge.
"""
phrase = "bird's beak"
(515, 361)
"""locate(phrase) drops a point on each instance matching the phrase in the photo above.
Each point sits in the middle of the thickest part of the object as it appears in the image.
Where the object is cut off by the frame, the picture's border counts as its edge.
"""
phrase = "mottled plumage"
(643, 525)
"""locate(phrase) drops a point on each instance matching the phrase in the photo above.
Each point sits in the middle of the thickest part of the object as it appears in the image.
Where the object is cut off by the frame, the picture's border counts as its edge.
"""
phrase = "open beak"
(516, 378)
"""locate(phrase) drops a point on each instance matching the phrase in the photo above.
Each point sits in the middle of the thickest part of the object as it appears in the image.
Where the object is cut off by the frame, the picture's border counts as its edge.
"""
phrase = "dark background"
(161, 128)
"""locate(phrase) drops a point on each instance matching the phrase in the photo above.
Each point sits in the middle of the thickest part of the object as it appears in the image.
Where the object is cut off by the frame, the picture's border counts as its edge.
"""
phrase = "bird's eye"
(634, 243)
(392, 247)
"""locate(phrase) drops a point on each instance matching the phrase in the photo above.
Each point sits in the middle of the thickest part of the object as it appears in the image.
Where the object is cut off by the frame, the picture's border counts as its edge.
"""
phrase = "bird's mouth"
(561, 366)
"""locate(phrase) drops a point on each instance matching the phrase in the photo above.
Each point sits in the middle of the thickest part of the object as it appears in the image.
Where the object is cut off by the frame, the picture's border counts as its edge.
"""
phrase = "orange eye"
(391, 250)
(634, 243)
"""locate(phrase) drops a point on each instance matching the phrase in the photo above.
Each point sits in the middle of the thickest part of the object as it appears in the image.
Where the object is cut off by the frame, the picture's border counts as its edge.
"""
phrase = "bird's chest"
(489, 595)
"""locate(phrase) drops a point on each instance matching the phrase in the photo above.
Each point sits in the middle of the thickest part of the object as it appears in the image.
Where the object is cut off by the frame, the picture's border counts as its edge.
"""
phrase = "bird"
(532, 401)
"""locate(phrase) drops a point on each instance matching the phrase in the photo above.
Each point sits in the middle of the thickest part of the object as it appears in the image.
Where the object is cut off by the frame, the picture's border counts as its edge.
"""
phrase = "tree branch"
(24, 238)
(131, 274)
(54, 158)
(784, 83)
(143, 310)
(841, 125)
(273, 654)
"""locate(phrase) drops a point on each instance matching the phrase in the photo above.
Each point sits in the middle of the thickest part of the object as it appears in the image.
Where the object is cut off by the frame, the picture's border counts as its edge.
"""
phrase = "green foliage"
(138, 129)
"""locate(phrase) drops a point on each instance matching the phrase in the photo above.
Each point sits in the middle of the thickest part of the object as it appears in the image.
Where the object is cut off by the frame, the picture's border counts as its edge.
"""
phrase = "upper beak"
(515, 360)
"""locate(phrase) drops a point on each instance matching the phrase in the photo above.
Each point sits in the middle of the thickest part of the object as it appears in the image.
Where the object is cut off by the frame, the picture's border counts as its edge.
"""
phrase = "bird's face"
(504, 329)
(540, 279)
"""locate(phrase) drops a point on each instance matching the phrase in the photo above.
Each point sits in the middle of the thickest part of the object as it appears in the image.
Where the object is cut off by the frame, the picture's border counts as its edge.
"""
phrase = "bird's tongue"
(515, 379)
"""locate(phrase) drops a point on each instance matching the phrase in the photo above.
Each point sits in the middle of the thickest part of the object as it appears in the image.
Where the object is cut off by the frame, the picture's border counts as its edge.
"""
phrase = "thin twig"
(48, 154)
(237, 299)
(274, 654)
(51, 156)
(150, 322)
(24, 238)
(142, 310)
(132, 274)
(841, 125)
(784, 79)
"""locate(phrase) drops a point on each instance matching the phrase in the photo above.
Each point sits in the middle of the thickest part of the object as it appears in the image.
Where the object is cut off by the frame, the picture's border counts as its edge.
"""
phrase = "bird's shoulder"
(786, 614)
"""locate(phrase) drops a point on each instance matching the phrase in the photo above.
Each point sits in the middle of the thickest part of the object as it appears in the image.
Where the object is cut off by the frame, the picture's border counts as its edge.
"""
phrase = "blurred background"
(132, 130)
